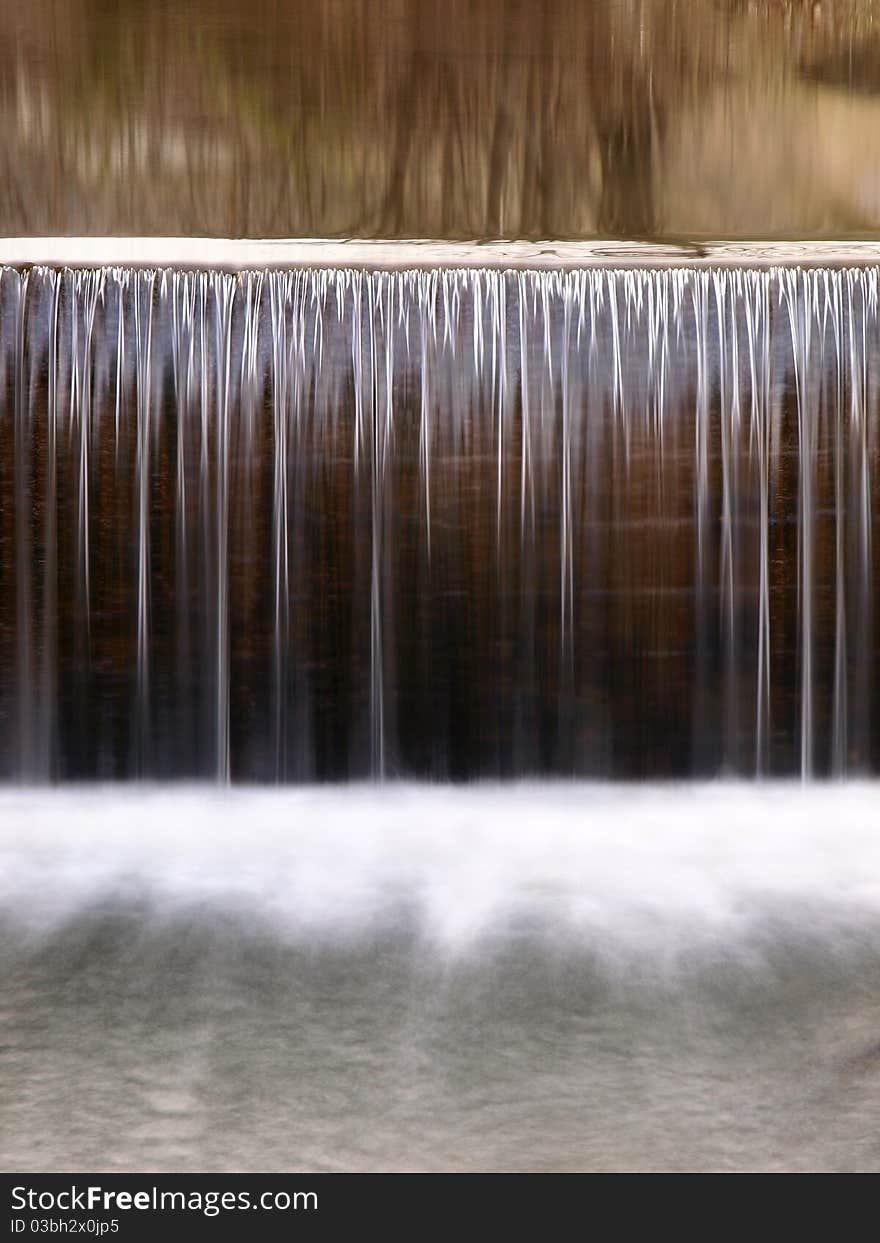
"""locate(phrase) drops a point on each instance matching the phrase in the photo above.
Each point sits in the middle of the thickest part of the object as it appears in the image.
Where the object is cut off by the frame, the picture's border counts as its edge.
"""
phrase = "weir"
(331, 523)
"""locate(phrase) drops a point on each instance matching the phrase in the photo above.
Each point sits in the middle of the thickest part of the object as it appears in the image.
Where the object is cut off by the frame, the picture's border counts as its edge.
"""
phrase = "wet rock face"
(326, 524)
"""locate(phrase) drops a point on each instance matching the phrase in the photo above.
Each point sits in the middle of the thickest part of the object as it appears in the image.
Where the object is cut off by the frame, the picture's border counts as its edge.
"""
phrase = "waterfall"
(332, 524)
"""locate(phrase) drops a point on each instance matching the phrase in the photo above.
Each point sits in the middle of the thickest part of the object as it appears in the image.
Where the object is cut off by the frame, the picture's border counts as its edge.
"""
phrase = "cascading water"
(331, 523)
(291, 527)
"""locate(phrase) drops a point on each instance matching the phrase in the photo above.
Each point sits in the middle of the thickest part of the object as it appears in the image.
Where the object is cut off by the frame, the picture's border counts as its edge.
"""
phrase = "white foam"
(620, 867)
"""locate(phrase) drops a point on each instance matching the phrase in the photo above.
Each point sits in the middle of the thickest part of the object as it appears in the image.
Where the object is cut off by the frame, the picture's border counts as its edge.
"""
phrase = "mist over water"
(549, 976)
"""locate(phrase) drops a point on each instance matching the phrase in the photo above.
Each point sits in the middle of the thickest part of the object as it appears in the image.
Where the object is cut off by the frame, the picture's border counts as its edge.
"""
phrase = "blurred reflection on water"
(466, 118)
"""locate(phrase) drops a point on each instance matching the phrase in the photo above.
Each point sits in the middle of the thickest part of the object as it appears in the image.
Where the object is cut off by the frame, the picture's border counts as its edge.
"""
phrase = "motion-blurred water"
(330, 523)
(327, 525)
(546, 976)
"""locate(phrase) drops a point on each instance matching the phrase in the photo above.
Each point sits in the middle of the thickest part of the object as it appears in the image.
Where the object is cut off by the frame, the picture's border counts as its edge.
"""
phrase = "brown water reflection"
(462, 119)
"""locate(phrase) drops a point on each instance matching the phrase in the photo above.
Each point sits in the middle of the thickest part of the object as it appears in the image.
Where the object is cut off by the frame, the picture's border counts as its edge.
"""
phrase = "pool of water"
(486, 977)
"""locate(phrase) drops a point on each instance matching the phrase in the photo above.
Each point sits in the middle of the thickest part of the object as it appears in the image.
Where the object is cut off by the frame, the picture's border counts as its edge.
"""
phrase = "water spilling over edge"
(337, 523)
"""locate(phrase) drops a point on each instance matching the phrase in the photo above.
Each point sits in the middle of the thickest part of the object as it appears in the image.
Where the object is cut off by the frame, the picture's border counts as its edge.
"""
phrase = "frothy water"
(332, 524)
(640, 869)
(560, 976)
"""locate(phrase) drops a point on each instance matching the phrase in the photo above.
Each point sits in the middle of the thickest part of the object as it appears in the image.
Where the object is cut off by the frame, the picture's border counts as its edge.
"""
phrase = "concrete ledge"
(242, 254)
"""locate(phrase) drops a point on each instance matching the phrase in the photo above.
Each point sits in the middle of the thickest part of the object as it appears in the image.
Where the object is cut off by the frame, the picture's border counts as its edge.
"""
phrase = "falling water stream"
(333, 524)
